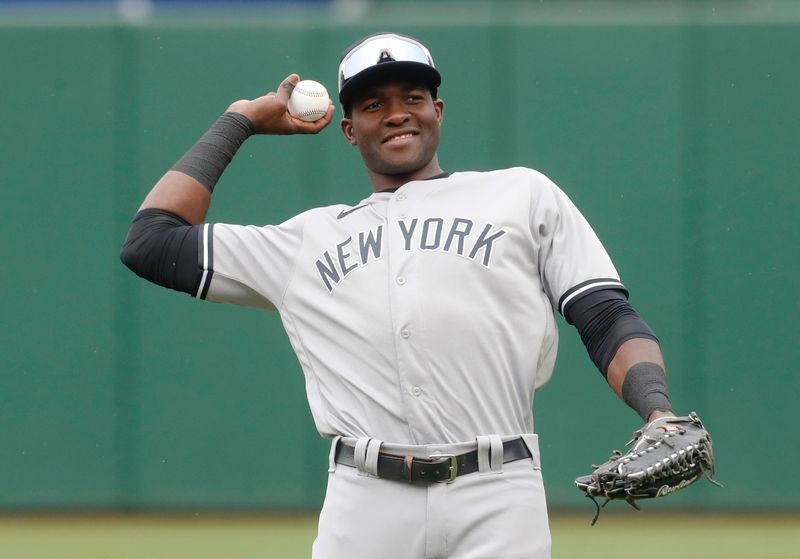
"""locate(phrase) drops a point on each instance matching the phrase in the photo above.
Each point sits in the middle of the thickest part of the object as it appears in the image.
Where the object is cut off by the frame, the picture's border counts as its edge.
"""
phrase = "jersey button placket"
(403, 295)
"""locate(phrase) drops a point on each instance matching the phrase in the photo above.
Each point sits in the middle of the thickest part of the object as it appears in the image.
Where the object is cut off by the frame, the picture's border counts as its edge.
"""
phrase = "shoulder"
(513, 176)
(312, 215)
(293, 227)
(515, 183)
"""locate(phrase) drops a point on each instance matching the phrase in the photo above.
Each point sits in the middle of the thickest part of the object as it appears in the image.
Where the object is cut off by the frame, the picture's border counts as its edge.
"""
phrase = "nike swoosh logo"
(344, 213)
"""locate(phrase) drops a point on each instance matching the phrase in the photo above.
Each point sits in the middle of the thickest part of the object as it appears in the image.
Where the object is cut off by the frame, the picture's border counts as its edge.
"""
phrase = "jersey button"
(401, 280)
(403, 215)
(400, 197)
(405, 333)
(416, 391)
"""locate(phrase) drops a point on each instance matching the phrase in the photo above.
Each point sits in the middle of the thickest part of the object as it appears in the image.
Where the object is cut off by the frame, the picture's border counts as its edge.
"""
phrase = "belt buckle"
(453, 467)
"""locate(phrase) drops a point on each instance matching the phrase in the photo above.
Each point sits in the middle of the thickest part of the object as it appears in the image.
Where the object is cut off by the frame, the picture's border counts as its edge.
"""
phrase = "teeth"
(401, 137)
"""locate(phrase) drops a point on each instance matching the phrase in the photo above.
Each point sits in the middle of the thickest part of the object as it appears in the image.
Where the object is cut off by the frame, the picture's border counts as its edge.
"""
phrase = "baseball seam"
(312, 93)
(310, 112)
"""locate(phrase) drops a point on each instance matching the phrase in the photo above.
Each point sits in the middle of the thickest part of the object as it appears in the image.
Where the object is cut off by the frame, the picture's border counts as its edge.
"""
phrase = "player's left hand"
(668, 454)
(270, 115)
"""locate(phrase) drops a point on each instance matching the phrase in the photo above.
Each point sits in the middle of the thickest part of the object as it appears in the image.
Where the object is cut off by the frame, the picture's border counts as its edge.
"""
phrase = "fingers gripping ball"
(667, 455)
(309, 101)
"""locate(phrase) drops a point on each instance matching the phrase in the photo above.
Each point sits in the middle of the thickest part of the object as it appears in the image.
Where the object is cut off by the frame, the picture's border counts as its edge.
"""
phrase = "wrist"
(241, 111)
(657, 414)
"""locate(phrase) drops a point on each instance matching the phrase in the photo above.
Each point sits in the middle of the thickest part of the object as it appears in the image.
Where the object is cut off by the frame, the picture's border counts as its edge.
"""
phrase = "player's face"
(396, 126)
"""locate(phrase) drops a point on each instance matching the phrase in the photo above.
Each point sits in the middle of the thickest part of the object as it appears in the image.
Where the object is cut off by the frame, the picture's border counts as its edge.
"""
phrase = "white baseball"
(309, 101)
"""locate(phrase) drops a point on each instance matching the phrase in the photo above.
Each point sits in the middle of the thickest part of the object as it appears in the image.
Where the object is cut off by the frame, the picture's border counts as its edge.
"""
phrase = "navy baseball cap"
(385, 54)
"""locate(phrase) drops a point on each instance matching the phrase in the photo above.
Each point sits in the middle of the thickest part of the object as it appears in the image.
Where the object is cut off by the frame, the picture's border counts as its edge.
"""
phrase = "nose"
(396, 113)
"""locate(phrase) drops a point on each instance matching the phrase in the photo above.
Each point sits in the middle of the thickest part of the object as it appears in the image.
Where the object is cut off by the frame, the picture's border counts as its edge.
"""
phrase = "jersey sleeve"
(248, 265)
(572, 260)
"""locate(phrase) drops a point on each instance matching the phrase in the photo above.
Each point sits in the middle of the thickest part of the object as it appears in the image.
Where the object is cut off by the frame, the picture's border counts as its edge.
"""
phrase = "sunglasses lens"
(382, 48)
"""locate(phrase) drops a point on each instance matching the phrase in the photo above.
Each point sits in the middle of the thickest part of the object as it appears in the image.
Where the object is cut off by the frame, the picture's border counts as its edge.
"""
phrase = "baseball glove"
(668, 454)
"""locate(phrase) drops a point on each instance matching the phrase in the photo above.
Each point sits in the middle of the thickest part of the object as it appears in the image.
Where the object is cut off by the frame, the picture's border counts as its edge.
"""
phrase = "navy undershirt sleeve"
(162, 247)
(605, 320)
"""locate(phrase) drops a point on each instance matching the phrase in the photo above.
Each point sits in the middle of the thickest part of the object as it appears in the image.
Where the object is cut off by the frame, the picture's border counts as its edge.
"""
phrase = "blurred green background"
(674, 126)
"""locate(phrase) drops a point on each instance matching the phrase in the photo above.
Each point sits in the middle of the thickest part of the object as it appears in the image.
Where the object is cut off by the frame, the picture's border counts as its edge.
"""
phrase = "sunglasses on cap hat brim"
(384, 48)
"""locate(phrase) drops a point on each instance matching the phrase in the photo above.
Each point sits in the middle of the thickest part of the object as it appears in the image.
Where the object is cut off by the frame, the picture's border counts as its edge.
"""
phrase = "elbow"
(126, 256)
(140, 243)
(130, 257)
(157, 248)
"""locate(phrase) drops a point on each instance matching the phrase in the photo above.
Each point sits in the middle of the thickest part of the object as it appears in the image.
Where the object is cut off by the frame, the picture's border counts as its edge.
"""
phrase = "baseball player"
(422, 315)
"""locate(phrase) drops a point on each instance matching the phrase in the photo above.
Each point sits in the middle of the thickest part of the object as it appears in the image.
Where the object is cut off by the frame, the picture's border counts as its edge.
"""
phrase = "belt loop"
(371, 458)
(484, 446)
(532, 442)
(332, 455)
(496, 456)
(360, 454)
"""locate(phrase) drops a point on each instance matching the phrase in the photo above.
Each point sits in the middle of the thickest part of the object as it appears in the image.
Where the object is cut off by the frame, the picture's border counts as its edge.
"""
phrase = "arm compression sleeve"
(645, 389)
(605, 321)
(208, 158)
(163, 248)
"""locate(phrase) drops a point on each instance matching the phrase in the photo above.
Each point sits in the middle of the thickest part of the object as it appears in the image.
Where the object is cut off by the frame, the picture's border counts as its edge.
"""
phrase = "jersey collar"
(442, 175)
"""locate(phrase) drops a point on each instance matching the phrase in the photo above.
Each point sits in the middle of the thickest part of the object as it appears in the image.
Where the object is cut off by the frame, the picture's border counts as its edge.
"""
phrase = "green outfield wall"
(675, 132)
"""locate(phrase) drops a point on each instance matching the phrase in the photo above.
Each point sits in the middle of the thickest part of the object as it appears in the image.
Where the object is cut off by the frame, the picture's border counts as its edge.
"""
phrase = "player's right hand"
(270, 115)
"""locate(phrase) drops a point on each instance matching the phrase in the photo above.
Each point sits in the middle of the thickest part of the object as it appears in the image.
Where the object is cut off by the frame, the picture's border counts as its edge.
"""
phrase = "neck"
(382, 182)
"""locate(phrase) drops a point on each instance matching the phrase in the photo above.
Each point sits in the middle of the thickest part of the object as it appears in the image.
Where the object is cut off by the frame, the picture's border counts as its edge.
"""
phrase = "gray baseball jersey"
(424, 315)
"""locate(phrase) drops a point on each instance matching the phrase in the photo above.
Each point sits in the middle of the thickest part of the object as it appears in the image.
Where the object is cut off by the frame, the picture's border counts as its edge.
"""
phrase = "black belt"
(441, 468)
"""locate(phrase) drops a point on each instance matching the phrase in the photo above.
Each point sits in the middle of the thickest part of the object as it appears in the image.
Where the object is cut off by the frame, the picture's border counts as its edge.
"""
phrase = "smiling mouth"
(399, 137)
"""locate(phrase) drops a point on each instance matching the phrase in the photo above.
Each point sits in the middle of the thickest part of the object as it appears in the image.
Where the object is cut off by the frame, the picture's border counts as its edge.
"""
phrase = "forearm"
(180, 194)
(638, 377)
(624, 348)
(186, 188)
(637, 350)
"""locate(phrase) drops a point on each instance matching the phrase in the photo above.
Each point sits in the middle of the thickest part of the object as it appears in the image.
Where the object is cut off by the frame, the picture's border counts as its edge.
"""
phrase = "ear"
(347, 130)
(438, 105)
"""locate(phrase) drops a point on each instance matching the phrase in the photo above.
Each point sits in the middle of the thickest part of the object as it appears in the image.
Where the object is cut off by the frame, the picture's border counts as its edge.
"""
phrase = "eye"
(372, 106)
